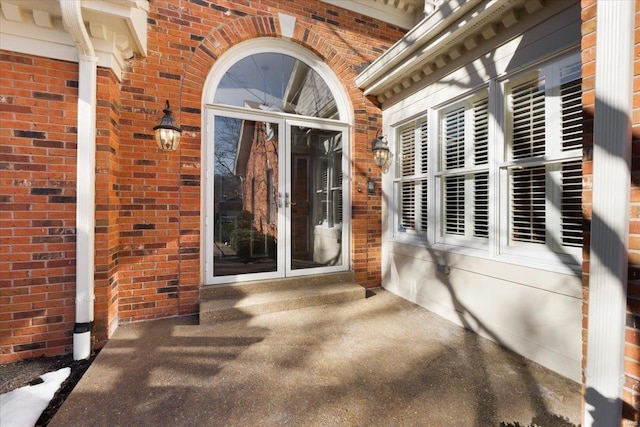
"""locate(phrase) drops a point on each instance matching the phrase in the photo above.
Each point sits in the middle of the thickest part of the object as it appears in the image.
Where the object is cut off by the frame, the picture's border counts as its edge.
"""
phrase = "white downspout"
(86, 161)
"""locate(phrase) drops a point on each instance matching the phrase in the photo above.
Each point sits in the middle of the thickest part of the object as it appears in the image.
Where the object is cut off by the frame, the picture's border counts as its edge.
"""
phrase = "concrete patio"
(381, 361)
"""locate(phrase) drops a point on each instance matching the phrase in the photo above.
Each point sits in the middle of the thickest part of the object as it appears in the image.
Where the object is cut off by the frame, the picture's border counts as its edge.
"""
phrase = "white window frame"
(420, 179)
(552, 160)
(498, 244)
(467, 172)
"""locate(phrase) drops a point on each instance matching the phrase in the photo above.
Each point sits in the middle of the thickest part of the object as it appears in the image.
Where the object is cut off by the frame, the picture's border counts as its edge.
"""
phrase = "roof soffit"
(401, 13)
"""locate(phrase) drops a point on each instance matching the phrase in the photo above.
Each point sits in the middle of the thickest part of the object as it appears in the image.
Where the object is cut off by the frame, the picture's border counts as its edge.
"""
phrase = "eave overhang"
(117, 28)
(401, 13)
(453, 30)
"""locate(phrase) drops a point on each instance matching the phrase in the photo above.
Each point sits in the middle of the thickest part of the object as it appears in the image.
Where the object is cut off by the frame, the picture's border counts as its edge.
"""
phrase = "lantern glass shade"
(381, 153)
(167, 134)
(167, 139)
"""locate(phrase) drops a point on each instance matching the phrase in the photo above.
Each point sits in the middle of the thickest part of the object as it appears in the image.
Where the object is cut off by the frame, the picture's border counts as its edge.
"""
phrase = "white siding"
(533, 308)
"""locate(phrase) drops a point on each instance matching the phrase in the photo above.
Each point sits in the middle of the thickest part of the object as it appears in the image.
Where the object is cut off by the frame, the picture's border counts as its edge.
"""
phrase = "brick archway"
(242, 29)
(366, 120)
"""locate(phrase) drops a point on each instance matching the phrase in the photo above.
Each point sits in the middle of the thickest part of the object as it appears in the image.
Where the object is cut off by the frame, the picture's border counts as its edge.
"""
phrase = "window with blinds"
(454, 205)
(465, 165)
(505, 169)
(528, 112)
(481, 205)
(411, 185)
(571, 214)
(454, 139)
(571, 109)
(528, 201)
(545, 146)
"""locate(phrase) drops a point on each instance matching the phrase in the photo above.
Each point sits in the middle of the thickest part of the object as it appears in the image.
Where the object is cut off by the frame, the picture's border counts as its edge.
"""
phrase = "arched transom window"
(276, 82)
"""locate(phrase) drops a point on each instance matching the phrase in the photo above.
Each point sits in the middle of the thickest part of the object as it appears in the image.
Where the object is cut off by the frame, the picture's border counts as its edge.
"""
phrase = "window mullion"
(434, 212)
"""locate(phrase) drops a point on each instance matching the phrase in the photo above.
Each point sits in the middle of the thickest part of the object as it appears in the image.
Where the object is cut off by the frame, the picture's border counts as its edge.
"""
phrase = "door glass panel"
(279, 83)
(316, 198)
(245, 196)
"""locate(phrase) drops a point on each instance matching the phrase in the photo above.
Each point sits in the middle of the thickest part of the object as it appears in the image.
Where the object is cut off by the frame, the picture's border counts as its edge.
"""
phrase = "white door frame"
(284, 121)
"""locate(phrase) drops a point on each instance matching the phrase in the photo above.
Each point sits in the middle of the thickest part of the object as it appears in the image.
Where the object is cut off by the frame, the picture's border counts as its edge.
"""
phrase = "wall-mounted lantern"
(381, 153)
(166, 132)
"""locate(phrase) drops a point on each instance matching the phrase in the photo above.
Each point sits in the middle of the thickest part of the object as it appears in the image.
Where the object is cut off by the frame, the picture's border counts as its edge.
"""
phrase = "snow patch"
(23, 406)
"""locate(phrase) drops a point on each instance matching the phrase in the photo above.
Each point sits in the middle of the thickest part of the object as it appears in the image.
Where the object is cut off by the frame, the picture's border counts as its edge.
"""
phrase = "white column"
(604, 372)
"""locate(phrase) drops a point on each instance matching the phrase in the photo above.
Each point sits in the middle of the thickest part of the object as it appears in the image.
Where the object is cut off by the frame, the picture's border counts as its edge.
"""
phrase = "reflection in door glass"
(316, 198)
(245, 196)
(276, 82)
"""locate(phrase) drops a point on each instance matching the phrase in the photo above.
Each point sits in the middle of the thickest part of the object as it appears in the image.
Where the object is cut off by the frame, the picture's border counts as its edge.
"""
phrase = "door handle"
(287, 201)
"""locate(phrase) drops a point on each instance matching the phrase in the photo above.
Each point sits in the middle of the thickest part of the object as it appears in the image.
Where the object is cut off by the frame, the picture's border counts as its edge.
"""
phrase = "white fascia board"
(433, 36)
(377, 11)
(33, 40)
(417, 38)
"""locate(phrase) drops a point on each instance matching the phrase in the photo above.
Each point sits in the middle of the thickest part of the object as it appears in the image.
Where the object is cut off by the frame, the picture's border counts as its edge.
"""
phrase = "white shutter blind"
(454, 204)
(528, 204)
(338, 189)
(408, 147)
(528, 109)
(424, 200)
(571, 212)
(424, 147)
(408, 209)
(407, 169)
(481, 205)
(454, 139)
(571, 95)
(481, 132)
(324, 189)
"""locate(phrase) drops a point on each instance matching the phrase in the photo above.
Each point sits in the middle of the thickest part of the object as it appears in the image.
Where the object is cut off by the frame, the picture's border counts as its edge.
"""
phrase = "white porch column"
(604, 372)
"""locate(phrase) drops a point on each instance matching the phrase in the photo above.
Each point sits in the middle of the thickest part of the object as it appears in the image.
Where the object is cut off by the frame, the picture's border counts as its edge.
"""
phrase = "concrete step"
(270, 296)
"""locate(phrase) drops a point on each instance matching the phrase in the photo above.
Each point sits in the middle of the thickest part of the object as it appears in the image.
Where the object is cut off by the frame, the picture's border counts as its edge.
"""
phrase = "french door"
(276, 192)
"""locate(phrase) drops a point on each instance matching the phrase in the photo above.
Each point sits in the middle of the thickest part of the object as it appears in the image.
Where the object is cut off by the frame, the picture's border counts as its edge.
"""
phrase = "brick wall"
(38, 99)
(631, 389)
(160, 193)
(107, 205)
(148, 215)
